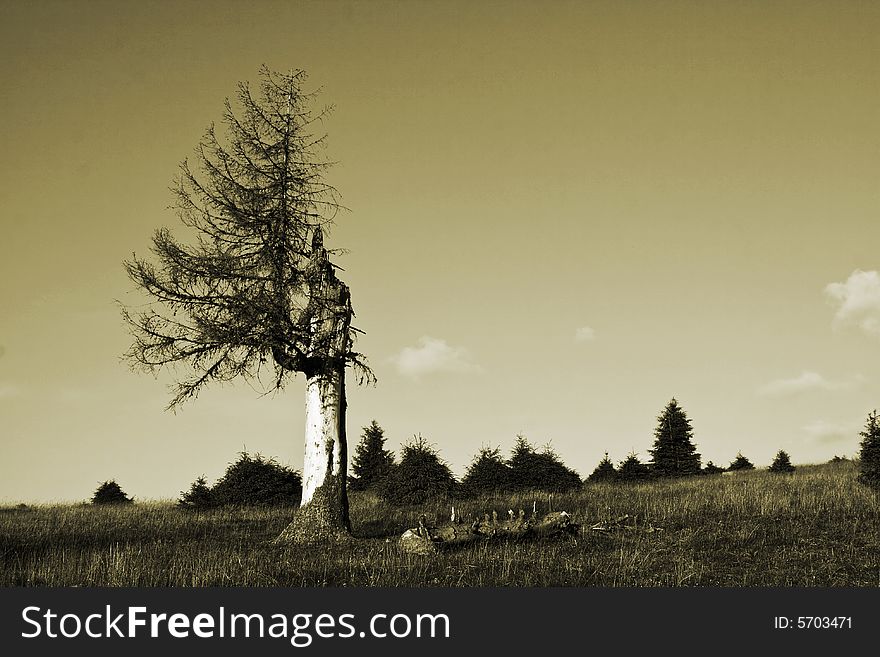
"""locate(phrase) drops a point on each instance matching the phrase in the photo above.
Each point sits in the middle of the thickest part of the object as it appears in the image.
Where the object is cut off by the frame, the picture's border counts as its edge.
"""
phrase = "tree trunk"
(323, 512)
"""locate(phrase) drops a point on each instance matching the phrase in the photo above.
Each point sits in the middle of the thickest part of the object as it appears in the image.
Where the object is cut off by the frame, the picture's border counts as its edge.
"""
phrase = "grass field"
(817, 527)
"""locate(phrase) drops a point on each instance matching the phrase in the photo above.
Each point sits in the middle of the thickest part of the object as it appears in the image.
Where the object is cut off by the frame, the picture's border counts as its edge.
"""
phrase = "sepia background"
(562, 215)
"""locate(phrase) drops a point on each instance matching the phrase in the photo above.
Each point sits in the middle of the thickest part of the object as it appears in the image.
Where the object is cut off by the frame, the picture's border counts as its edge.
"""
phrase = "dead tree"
(254, 294)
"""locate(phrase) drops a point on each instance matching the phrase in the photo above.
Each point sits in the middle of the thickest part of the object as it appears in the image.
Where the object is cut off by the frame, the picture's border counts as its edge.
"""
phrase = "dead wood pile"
(426, 539)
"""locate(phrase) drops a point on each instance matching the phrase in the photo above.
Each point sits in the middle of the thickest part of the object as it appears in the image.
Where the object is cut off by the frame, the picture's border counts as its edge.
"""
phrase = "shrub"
(487, 473)
(605, 471)
(782, 463)
(539, 470)
(741, 463)
(249, 481)
(421, 476)
(110, 493)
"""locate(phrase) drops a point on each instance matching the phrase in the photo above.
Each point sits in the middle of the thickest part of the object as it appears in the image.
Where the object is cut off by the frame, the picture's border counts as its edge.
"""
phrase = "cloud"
(431, 356)
(807, 381)
(857, 301)
(821, 431)
(584, 334)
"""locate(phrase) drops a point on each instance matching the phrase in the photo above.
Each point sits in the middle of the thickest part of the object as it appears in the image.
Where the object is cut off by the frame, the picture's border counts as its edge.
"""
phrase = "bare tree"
(255, 295)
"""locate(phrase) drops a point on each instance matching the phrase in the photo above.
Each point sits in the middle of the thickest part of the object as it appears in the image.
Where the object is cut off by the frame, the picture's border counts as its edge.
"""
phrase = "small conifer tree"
(674, 453)
(421, 476)
(110, 493)
(869, 456)
(487, 473)
(605, 471)
(782, 463)
(741, 463)
(710, 469)
(199, 496)
(372, 462)
(249, 481)
(542, 470)
(632, 469)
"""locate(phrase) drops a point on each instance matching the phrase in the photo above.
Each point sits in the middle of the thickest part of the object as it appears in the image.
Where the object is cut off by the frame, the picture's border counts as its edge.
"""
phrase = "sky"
(561, 215)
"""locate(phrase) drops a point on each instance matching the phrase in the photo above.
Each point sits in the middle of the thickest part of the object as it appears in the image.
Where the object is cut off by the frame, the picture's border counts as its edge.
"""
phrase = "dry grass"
(817, 527)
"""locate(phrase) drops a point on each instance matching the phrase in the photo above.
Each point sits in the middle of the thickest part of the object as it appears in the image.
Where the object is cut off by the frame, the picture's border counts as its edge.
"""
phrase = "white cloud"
(857, 301)
(821, 431)
(584, 334)
(807, 381)
(433, 355)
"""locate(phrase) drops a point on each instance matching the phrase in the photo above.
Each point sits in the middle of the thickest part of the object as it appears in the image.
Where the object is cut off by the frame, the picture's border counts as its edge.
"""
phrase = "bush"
(782, 463)
(487, 473)
(605, 471)
(421, 476)
(741, 463)
(249, 481)
(110, 493)
(540, 470)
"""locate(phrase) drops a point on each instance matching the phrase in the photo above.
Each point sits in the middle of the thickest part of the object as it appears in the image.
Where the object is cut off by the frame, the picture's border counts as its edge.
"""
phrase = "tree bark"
(323, 512)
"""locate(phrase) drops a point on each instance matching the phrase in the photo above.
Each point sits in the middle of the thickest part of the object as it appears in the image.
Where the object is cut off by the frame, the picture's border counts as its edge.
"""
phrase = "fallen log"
(426, 539)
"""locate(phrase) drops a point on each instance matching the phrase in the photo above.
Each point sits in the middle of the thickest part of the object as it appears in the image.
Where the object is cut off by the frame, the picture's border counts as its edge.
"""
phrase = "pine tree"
(869, 456)
(674, 453)
(487, 473)
(741, 463)
(605, 471)
(372, 462)
(631, 469)
(782, 463)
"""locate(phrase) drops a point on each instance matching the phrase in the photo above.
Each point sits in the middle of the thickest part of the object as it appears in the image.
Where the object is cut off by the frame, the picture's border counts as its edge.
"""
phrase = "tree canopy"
(243, 297)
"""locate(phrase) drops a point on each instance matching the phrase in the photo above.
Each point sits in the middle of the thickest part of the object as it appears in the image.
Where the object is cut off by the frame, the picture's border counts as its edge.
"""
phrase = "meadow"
(816, 527)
